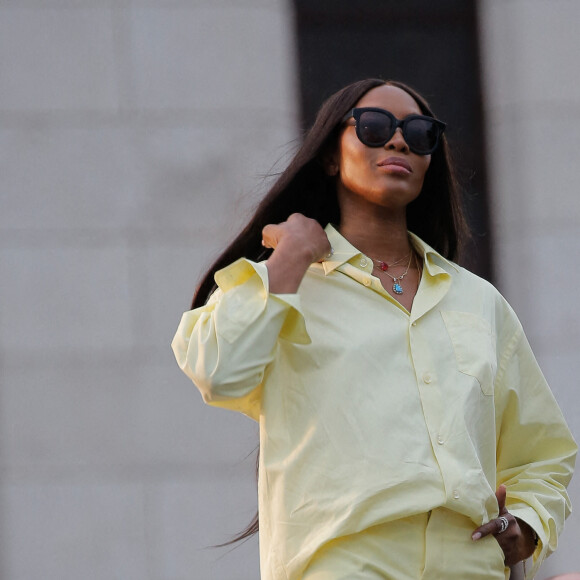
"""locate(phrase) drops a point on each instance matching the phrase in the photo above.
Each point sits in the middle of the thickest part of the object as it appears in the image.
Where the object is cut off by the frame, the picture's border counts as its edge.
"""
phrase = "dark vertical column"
(431, 46)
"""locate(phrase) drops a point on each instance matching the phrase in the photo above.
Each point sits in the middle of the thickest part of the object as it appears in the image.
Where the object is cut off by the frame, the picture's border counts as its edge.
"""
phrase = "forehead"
(393, 99)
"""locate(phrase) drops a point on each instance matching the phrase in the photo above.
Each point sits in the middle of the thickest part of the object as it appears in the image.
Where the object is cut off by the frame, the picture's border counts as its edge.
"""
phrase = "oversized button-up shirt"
(369, 413)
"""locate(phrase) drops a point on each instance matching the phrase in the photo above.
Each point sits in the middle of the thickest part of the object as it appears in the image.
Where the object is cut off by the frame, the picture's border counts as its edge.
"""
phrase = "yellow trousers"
(434, 546)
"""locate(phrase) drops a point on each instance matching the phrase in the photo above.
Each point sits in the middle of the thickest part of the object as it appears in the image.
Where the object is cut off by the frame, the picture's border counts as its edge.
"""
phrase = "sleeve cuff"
(246, 296)
(528, 515)
(294, 327)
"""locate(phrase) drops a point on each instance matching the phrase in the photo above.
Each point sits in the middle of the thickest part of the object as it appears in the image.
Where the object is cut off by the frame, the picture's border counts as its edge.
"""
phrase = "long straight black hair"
(304, 187)
(436, 215)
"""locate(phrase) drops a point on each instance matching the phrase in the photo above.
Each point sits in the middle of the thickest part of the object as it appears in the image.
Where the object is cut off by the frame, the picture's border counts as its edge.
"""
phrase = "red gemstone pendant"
(383, 266)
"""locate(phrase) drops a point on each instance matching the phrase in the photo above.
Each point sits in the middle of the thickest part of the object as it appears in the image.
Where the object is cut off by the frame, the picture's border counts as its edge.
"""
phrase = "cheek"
(421, 168)
(353, 162)
(357, 177)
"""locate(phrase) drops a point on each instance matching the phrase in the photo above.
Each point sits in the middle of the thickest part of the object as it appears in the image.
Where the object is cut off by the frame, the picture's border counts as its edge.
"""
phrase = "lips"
(395, 162)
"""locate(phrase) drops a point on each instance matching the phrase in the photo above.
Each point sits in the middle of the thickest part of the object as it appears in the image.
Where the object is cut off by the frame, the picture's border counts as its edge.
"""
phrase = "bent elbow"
(218, 387)
(219, 374)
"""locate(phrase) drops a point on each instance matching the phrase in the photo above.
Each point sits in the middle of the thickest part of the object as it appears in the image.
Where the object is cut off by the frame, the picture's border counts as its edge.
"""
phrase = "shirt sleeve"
(226, 345)
(535, 449)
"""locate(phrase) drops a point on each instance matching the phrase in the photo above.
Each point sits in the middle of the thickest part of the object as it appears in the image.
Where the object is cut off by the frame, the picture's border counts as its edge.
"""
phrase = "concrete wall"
(132, 137)
(532, 96)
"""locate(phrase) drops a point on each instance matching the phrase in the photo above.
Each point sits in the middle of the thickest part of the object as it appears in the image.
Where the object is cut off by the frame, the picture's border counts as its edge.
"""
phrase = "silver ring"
(504, 524)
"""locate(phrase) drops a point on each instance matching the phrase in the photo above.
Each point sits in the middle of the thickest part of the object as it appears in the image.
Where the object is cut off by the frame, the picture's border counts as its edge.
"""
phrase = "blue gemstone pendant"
(397, 288)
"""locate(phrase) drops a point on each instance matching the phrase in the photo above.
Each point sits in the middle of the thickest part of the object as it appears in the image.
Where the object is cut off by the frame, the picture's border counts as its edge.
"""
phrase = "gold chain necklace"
(384, 266)
(397, 288)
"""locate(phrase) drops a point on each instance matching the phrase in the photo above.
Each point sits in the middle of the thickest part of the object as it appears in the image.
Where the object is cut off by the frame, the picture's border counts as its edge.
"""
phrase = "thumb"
(500, 495)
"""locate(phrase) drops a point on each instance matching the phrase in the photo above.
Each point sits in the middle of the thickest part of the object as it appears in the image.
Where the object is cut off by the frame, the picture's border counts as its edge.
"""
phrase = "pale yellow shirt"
(369, 413)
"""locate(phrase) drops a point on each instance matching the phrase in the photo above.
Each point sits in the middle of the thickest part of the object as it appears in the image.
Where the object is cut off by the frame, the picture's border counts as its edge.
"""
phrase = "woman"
(406, 430)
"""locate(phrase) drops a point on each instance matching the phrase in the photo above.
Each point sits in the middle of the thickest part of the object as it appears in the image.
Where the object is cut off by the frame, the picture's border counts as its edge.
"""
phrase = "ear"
(330, 164)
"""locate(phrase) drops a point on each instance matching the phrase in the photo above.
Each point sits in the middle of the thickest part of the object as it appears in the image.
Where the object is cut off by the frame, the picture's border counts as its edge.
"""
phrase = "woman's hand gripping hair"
(297, 243)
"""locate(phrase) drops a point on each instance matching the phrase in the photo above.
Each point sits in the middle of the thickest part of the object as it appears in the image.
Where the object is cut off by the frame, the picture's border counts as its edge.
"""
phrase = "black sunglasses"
(375, 127)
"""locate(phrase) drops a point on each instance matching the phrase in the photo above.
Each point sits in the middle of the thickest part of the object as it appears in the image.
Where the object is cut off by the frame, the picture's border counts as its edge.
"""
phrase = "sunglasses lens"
(421, 135)
(375, 128)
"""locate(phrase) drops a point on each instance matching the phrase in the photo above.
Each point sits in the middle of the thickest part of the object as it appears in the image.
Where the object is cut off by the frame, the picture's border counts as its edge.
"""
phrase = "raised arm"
(226, 345)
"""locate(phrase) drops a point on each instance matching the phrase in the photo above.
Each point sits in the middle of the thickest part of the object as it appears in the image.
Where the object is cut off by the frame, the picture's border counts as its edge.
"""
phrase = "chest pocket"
(474, 347)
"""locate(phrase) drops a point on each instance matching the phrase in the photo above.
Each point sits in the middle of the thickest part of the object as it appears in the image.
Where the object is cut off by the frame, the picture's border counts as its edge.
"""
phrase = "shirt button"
(364, 262)
(440, 440)
(413, 324)
(427, 378)
(367, 282)
(456, 494)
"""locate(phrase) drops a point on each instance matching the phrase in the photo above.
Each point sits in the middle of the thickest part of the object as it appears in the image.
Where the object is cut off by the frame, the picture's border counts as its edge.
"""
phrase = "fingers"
(270, 235)
(500, 494)
(301, 237)
(272, 232)
(485, 530)
(495, 527)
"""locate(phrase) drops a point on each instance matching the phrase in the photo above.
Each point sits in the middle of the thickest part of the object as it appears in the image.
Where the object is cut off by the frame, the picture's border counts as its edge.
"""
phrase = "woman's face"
(390, 176)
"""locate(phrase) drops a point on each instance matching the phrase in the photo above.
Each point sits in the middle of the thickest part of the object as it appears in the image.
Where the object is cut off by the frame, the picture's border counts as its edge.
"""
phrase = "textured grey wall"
(530, 57)
(132, 137)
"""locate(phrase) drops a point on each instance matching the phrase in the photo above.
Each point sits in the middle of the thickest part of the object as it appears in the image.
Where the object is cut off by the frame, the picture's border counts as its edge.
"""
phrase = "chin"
(398, 199)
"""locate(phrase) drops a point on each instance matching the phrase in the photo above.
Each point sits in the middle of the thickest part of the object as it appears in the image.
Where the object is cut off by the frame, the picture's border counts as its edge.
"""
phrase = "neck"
(383, 237)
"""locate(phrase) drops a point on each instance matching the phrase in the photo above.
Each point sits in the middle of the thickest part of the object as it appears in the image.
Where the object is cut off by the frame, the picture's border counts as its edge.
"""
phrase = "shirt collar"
(343, 251)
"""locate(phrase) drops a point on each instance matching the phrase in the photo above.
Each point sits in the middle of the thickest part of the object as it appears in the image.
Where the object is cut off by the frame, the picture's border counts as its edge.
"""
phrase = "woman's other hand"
(297, 243)
(516, 540)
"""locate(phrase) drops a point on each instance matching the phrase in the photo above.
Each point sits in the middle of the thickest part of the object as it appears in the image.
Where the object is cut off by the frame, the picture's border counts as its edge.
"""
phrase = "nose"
(397, 142)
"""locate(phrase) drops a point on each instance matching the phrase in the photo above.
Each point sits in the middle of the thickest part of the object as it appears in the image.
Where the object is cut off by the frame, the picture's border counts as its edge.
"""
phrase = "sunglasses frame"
(358, 111)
